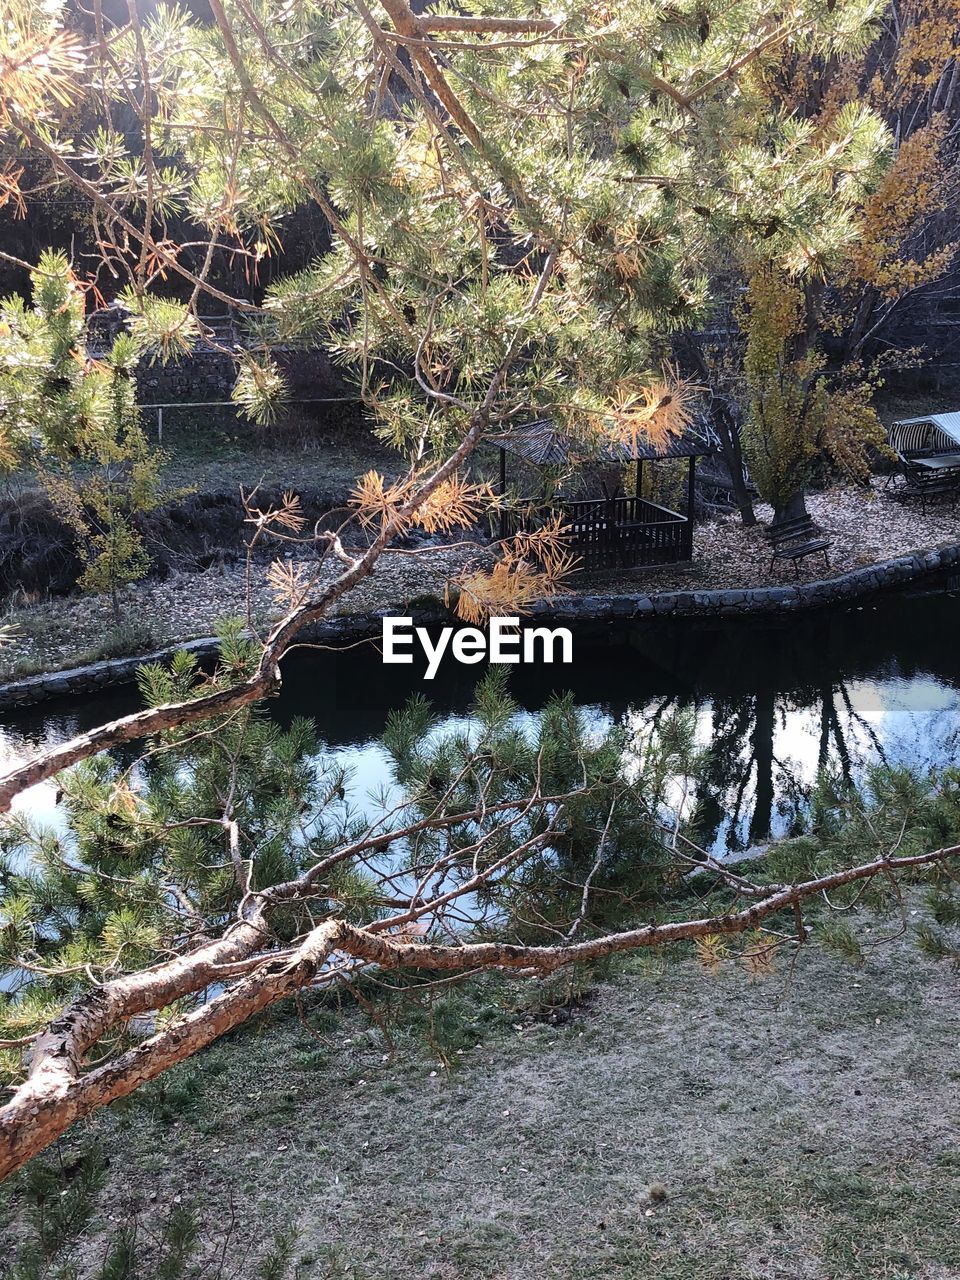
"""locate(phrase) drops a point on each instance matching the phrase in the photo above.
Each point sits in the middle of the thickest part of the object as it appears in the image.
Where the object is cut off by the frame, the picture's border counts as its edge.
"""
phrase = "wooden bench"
(926, 476)
(795, 540)
(928, 490)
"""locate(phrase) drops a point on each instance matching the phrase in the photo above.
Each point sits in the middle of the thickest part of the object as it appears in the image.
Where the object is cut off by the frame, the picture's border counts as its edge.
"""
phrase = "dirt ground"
(802, 1126)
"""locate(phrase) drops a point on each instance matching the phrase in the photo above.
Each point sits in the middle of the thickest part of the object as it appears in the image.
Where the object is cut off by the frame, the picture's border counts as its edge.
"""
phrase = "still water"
(774, 701)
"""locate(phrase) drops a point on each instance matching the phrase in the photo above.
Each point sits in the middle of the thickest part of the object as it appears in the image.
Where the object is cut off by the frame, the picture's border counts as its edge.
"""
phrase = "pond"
(773, 701)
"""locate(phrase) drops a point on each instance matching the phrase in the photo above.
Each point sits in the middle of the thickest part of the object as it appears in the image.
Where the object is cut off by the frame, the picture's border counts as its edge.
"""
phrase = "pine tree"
(892, 239)
(521, 216)
(75, 420)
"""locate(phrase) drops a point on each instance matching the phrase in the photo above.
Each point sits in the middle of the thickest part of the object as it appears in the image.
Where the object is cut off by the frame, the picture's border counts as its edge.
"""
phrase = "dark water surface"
(773, 701)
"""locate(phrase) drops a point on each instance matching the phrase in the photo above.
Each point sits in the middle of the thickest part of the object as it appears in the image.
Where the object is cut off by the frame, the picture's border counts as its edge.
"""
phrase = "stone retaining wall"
(209, 374)
(888, 575)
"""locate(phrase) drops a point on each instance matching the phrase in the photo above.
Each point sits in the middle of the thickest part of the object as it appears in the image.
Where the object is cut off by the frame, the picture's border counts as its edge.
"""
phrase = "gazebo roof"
(541, 443)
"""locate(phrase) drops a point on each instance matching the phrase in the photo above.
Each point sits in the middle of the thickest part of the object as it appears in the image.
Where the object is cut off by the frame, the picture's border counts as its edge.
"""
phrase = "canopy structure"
(933, 433)
(542, 444)
(619, 531)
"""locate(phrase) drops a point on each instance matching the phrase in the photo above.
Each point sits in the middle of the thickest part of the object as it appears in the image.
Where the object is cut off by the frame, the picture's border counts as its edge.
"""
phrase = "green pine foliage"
(502, 757)
(150, 857)
(76, 421)
(839, 937)
(146, 859)
(531, 252)
(635, 146)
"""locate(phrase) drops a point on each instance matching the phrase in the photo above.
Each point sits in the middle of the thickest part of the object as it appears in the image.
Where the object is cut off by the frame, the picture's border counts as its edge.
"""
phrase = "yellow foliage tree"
(797, 412)
(898, 250)
(905, 232)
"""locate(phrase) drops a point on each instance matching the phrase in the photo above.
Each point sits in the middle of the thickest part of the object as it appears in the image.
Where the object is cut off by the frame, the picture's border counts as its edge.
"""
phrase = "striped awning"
(933, 431)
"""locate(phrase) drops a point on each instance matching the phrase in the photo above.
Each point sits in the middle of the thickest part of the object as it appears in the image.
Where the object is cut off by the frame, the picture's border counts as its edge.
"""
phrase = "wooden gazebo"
(612, 531)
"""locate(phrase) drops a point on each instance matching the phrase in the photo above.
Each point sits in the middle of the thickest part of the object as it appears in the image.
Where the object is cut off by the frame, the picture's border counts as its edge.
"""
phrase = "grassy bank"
(675, 1124)
(215, 451)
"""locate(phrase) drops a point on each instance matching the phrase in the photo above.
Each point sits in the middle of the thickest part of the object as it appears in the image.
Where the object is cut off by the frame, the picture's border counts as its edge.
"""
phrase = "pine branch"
(55, 1094)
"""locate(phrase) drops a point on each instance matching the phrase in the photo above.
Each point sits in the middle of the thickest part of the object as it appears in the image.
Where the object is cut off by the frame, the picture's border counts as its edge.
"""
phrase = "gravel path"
(62, 633)
(865, 526)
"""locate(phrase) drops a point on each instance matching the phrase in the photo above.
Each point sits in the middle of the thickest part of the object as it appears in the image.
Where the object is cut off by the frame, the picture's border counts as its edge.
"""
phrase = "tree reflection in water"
(773, 703)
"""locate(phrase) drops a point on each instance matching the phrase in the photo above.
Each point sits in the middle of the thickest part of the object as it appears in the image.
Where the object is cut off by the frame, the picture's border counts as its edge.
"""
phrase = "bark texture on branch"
(57, 1093)
(55, 1096)
(407, 24)
(266, 679)
(488, 25)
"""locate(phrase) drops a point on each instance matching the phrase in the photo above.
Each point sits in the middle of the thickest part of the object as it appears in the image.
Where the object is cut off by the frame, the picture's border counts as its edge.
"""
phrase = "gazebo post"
(503, 490)
(691, 483)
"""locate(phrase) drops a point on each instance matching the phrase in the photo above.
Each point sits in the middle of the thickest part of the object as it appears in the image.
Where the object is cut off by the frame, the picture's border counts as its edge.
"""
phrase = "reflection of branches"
(723, 768)
(762, 820)
(863, 722)
(792, 786)
(729, 771)
(653, 718)
(833, 727)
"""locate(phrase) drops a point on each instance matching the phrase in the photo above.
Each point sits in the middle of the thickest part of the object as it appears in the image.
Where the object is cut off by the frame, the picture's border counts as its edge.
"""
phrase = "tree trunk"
(861, 323)
(725, 425)
(733, 459)
(58, 1092)
(795, 508)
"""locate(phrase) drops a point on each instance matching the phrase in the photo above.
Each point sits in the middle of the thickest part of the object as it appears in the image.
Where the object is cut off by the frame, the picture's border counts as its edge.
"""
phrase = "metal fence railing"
(232, 404)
